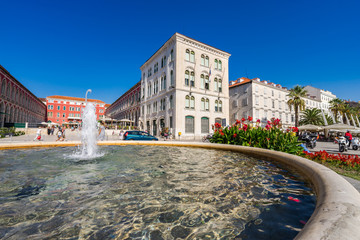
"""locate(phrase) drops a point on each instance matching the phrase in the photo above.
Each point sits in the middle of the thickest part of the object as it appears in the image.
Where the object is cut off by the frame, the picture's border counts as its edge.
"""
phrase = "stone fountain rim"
(337, 212)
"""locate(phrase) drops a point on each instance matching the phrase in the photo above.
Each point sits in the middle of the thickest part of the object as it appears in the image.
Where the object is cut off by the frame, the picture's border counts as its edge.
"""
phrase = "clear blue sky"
(65, 47)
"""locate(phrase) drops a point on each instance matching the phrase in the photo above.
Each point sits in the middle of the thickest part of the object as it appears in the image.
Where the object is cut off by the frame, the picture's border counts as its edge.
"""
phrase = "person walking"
(38, 134)
(101, 135)
(59, 134)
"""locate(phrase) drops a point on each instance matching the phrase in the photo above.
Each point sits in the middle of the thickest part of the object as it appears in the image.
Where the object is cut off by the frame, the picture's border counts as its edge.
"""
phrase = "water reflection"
(139, 192)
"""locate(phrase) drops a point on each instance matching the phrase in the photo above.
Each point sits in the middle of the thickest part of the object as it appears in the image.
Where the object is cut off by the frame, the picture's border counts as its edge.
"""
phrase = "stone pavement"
(332, 148)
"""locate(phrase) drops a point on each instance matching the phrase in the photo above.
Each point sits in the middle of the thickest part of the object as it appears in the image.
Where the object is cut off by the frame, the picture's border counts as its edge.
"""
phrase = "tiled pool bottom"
(148, 192)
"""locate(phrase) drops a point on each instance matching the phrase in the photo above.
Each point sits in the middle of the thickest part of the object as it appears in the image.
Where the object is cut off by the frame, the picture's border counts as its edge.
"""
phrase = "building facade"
(184, 88)
(127, 107)
(263, 100)
(17, 103)
(321, 95)
(63, 109)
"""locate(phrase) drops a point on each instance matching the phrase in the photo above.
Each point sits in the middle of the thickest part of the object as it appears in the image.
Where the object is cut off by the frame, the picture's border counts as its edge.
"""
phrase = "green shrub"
(270, 137)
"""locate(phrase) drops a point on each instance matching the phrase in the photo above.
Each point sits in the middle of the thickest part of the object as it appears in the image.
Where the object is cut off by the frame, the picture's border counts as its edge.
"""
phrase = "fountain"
(89, 147)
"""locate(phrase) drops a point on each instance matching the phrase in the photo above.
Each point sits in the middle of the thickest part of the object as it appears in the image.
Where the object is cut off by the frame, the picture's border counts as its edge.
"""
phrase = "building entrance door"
(154, 128)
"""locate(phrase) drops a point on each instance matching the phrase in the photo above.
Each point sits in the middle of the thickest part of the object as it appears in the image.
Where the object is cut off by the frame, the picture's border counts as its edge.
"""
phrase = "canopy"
(125, 120)
(340, 126)
(310, 127)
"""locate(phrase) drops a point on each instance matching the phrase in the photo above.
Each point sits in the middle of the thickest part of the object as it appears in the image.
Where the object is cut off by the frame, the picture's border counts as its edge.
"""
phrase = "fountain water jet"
(88, 146)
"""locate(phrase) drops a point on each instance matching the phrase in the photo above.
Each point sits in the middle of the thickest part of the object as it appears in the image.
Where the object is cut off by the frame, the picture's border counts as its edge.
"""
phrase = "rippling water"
(143, 192)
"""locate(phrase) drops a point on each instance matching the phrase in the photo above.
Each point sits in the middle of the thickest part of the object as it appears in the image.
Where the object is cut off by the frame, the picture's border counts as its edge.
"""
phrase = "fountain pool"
(147, 192)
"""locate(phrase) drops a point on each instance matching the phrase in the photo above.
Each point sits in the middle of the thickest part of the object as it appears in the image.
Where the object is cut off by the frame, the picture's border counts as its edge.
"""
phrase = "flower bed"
(347, 162)
(271, 136)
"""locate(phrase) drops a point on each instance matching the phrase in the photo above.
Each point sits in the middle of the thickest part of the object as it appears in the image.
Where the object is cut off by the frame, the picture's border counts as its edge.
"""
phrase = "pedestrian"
(59, 134)
(101, 135)
(63, 133)
(348, 136)
(48, 130)
(38, 134)
(52, 130)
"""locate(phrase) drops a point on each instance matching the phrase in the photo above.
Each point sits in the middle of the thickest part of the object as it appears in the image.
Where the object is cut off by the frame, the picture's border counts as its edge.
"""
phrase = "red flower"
(268, 122)
(267, 127)
(217, 125)
(245, 127)
(243, 119)
(258, 121)
(295, 129)
(237, 122)
(250, 118)
(234, 135)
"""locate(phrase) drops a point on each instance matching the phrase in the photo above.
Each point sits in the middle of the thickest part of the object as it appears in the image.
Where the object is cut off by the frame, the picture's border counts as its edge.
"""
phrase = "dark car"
(138, 135)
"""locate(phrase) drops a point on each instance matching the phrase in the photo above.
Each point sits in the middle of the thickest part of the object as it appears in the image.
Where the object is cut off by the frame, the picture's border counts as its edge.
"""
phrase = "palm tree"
(296, 100)
(329, 119)
(336, 106)
(311, 116)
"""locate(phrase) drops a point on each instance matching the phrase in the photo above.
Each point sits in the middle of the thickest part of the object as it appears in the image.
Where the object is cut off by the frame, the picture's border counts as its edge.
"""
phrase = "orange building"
(62, 109)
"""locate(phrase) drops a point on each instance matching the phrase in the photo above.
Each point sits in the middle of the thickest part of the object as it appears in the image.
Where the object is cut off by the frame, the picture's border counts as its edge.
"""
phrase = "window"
(273, 104)
(187, 76)
(219, 85)
(163, 83)
(215, 84)
(64, 115)
(203, 59)
(192, 56)
(187, 55)
(171, 101)
(192, 102)
(272, 92)
(256, 100)
(207, 104)
(171, 122)
(207, 82)
(156, 67)
(220, 65)
(172, 55)
(207, 61)
(202, 81)
(51, 107)
(58, 114)
(203, 104)
(220, 106)
(149, 72)
(155, 107)
(64, 108)
(216, 64)
(172, 82)
(192, 79)
(204, 125)
(189, 124)
(187, 102)
(216, 105)
(58, 107)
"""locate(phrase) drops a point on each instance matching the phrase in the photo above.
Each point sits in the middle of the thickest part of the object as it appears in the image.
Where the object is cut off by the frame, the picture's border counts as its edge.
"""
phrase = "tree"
(311, 116)
(329, 119)
(296, 100)
(336, 107)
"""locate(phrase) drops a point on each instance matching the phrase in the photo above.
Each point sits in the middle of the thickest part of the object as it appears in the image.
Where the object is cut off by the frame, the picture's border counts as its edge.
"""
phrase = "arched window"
(192, 56)
(192, 102)
(220, 106)
(8, 90)
(187, 55)
(202, 81)
(203, 104)
(187, 76)
(192, 79)
(220, 65)
(189, 124)
(207, 104)
(207, 82)
(203, 59)
(219, 85)
(172, 82)
(172, 55)
(216, 64)
(3, 86)
(187, 101)
(216, 105)
(171, 101)
(206, 61)
(215, 85)
(164, 61)
(204, 125)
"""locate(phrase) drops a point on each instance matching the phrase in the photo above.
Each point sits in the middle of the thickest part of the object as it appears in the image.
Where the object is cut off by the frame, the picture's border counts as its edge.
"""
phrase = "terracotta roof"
(74, 98)
(107, 105)
(240, 81)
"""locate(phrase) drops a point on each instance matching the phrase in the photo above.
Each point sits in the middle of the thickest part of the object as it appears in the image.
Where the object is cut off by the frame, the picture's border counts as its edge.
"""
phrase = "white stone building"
(321, 95)
(262, 100)
(184, 88)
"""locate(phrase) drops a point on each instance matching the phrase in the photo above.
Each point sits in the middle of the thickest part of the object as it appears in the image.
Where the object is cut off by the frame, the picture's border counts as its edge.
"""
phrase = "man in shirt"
(348, 136)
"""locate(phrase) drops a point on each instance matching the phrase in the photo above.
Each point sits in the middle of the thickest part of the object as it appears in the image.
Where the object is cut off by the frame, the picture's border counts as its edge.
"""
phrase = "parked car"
(138, 135)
